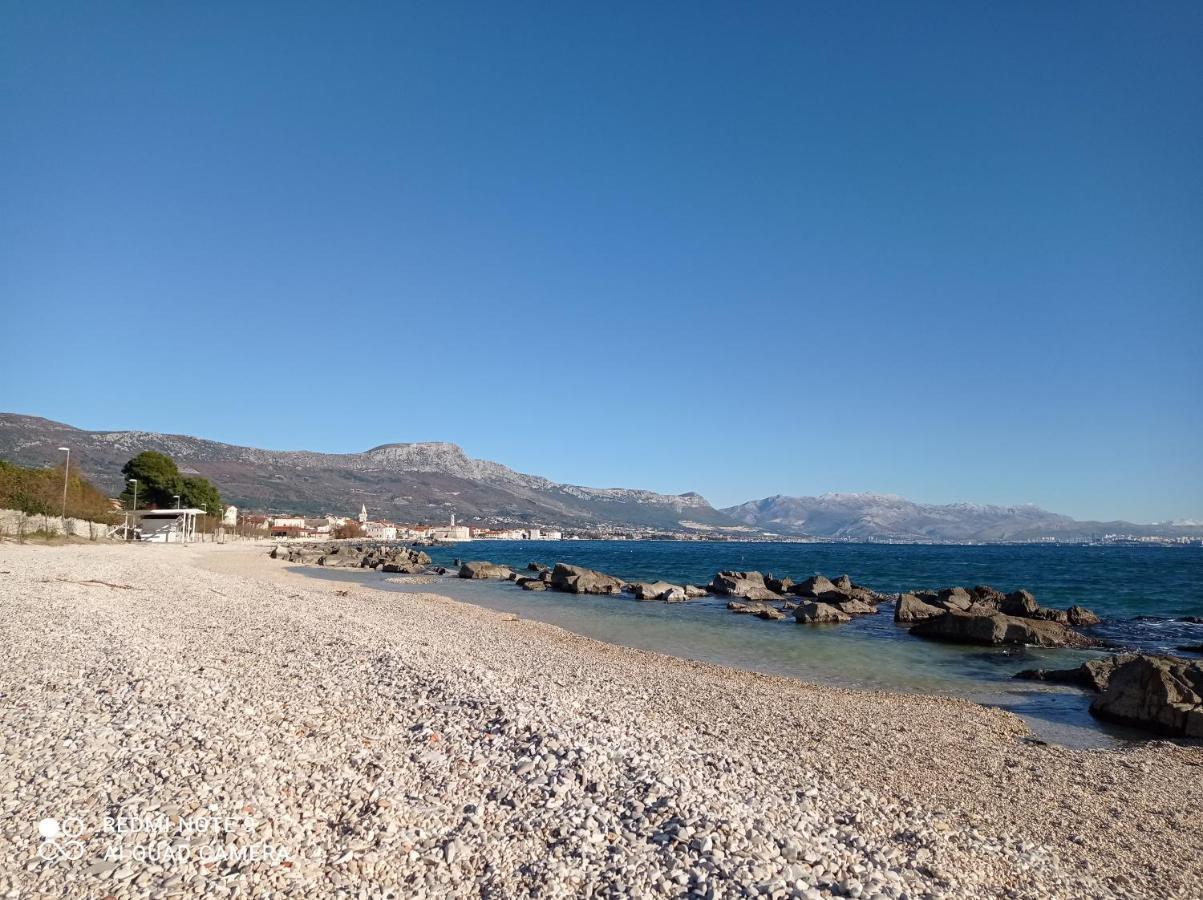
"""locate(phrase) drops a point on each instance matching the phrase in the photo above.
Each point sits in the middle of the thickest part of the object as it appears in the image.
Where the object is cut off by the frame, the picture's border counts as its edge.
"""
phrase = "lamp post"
(176, 498)
(66, 475)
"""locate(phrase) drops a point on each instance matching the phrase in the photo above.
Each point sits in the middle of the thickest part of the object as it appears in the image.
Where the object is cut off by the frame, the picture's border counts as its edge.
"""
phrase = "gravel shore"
(201, 721)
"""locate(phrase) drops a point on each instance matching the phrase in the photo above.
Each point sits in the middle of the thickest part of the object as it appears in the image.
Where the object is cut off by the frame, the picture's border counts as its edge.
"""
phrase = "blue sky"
(952, 251)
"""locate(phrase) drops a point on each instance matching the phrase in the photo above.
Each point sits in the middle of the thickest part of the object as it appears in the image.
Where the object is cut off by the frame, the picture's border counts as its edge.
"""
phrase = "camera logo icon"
(60, 839)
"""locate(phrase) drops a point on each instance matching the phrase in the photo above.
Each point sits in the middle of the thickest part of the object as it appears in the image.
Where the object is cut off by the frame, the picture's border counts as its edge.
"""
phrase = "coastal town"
(327, 527)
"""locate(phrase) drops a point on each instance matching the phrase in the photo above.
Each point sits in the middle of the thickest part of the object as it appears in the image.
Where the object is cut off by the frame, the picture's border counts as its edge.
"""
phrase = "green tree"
(158, 480)
(200, 493)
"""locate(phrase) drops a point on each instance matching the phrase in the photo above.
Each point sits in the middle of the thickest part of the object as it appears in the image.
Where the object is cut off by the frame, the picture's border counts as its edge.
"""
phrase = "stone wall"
(14, 524)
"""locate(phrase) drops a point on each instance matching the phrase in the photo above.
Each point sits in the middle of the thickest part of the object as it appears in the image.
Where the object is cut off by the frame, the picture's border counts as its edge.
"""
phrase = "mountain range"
(426, 482)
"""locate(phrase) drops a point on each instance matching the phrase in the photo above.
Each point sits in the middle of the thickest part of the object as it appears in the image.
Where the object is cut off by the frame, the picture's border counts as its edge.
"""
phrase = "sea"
(1144, 595)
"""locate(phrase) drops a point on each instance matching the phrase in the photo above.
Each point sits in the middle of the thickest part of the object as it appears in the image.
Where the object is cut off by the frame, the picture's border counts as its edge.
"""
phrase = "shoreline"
(943, 793)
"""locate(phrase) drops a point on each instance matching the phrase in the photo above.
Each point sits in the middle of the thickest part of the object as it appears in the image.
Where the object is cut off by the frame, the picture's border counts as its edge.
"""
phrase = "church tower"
(363, 514)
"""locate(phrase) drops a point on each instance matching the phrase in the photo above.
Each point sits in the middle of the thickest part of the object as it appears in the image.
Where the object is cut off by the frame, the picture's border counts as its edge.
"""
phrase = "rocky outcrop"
(778, 585)
(1158, 693)
(577, 580)
(985, 600)
(911, 609)
(534, 584)
(749, 585)
(818, 587)
(481, 569)
(814, 612)
(693, 592)
(994, 629)
(770, 613)
(1092, 675)
(856, 608)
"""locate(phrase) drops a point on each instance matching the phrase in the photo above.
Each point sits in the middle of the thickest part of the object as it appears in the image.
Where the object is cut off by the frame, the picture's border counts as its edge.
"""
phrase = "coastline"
(946, 795)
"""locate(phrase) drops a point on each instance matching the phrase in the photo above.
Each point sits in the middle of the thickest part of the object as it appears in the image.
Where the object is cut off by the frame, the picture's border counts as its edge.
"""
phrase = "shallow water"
(869, 652)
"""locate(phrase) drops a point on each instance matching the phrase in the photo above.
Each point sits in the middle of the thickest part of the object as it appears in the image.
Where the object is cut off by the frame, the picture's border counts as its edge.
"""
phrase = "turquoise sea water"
(1142, 593)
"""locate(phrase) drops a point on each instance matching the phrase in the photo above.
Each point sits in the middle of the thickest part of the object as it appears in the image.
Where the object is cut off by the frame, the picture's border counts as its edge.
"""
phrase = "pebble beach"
(202, 721)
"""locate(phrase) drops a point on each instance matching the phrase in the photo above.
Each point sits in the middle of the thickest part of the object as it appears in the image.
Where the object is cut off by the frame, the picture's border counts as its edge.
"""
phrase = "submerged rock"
(995, 629)
(1160, 693)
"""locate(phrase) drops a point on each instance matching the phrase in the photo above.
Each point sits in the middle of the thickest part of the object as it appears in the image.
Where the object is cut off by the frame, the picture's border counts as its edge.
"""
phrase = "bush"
(39, 492)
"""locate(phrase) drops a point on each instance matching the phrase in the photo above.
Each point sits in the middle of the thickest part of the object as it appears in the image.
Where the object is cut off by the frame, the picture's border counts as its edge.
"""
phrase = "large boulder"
(577, 580)
(481, 569)
(995, 628)
(749, 585)
(911, 609)
(985, 596)
(818, 587)
(817, 613)
(778, 585)
(1159, 693)
(1080, 615)
(856, 607)
(693, 592)
(1019, 603)
(658, 590)
(770, 613)
(955, 598)
(534, 584)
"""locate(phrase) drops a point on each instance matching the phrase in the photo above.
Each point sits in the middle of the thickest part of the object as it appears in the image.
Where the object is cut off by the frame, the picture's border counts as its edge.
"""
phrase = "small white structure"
(287, 522)
(553, 535)
(163, 526)
(230, 516)
(363, 514)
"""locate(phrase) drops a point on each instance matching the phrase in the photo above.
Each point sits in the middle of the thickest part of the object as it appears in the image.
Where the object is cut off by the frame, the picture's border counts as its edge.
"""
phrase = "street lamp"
(134, 508)
(176, 498)
(66, 474)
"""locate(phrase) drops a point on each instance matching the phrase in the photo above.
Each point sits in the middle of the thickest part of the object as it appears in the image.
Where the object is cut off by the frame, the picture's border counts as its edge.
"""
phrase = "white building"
(287, 521)
(363, 514)
(533, 534)
(553, 535)
(451, 532)
(164, 526)
(379, 531)
(230, 516)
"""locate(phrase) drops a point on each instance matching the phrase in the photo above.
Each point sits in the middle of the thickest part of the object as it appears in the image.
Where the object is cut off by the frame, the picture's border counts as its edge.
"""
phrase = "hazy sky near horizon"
(950, 251)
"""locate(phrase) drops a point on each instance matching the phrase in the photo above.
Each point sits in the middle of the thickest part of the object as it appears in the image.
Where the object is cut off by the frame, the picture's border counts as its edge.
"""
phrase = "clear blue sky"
(950, 250)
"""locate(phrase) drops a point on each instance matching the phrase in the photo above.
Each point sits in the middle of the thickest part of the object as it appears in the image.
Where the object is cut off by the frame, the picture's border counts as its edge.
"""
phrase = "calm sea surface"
(1142, 593)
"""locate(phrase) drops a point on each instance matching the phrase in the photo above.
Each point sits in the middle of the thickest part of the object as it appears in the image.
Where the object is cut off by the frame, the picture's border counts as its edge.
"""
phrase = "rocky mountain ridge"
(870, 516)
(420, 482)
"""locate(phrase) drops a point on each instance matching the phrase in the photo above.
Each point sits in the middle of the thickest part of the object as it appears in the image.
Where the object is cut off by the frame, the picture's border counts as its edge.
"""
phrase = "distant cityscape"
(363, 526)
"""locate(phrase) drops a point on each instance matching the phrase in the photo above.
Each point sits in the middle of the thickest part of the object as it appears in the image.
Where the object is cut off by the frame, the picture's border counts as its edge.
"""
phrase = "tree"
(199, 493)
(159, 480)
(349, 529)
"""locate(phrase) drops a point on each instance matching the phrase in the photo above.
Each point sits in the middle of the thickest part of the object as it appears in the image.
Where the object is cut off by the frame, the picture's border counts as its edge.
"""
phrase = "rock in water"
(1019, 603)
(818, 587)
(576, 580)
(1080, 615)
(480, 569)
(1092, 675)
(995, 629)
(1160, 693)
(749, 585)
(817, 613)
(658, 590)
(911, 609)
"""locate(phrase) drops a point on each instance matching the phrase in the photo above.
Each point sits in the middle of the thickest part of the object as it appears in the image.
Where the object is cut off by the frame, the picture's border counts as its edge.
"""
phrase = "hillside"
(419, 482)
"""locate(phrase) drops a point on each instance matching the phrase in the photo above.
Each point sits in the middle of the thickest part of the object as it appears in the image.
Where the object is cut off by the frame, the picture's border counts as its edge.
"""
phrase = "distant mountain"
(420, 482)
(887, 517)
